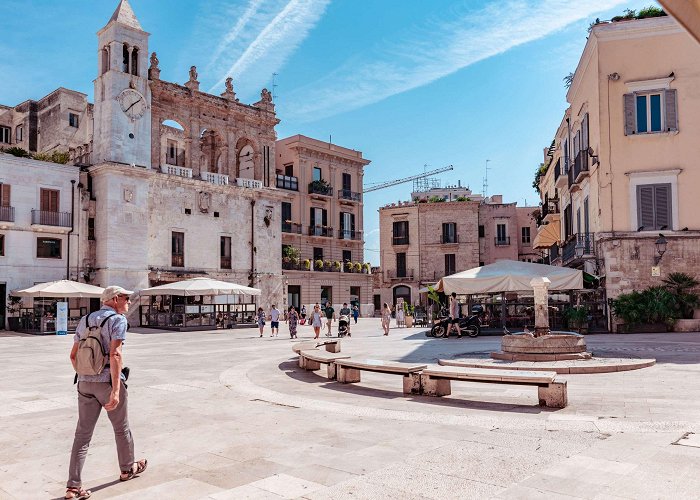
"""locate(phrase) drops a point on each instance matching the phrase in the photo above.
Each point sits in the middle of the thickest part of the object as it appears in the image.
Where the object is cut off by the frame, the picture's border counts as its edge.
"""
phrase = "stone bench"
(348, 371)
(313, 358)
(550, 389)
(330, 345)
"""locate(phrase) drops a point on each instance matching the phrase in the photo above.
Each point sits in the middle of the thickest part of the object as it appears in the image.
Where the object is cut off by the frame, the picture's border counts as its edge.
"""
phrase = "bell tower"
(122, 131)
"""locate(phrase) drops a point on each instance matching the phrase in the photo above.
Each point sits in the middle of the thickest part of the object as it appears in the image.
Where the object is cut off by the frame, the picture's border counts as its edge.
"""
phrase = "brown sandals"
(135, 470)
(76, 493)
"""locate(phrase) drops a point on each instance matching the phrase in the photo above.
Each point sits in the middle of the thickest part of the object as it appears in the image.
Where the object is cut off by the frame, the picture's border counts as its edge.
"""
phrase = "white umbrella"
(61, 288)
(200, 286)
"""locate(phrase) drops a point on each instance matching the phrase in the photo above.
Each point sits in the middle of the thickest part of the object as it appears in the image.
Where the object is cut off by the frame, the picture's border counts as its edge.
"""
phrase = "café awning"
(548, 235)
(60, 289)
(200, 286)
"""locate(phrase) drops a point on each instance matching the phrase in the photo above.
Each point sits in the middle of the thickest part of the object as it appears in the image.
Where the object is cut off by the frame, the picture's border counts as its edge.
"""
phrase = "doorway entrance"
(294, 296)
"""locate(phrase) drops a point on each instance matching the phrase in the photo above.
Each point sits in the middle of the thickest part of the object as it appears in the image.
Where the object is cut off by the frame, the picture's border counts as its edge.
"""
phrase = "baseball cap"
(112, 291)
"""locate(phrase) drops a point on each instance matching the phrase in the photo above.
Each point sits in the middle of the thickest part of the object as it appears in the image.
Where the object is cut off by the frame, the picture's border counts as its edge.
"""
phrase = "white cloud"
(437, 49)
(262, 39)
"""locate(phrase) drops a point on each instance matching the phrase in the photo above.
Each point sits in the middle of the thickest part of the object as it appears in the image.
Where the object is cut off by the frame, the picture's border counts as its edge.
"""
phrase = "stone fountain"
(542, 344)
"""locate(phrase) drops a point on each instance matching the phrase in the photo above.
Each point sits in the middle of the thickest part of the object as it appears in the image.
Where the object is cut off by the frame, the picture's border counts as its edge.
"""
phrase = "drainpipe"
(252, 243)
(72, 220)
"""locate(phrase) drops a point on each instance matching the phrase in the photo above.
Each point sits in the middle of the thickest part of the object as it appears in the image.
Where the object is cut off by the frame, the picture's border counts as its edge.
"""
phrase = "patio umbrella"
(200, 286)
(61, 288)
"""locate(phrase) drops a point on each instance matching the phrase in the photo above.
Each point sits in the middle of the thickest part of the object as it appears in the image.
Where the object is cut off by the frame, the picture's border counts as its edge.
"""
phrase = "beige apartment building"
(444, 231)
(322, 236)
(619, 197)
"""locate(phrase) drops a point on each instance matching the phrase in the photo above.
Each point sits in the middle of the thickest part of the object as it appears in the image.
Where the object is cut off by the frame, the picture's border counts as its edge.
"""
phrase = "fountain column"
(540, 286)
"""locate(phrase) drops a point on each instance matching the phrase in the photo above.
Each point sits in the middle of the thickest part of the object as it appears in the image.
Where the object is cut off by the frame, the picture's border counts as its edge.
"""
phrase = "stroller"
(343, 325)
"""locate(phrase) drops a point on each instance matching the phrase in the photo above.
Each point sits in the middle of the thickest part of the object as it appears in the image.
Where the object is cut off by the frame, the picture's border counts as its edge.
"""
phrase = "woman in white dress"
(316, 320)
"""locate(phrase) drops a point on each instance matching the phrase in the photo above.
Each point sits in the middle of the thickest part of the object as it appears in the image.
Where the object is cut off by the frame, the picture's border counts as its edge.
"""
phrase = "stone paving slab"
(228, 415)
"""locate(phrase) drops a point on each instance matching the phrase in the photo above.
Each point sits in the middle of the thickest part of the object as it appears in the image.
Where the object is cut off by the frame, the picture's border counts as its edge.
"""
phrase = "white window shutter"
(630, 127)
(671, 109)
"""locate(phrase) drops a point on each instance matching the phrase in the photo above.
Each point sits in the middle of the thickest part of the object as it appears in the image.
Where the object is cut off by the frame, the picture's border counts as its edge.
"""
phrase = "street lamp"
(579, 249)
(661, 245)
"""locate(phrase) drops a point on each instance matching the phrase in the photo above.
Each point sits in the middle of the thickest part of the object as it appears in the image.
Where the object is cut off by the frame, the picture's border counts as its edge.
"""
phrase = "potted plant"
(408, 314)
(650, 311)
(14, 306)
(348, 266)
(576, 318)
(307, 264)
(367, 268)
(327, 265)
(336, 265)
(318, 265)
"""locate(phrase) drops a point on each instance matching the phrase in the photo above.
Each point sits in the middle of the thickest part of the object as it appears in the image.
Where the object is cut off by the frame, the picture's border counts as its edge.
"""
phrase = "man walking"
(345, 311)
(454, 317)
(330, 316)
(274, 321)
(106, 389)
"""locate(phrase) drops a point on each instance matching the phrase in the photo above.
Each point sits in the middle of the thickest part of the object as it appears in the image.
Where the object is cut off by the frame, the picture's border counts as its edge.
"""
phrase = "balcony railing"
(225, 262)
(583, 240)
(400, 240)
(449, 238)
(400, 274)
(175, 170)
(346, 194)
(554, 253)
(321, 231)
(45, 218)
(502, 241)
(7, 214)
(291, 227)
(248, 183)
(349, 234)
(317, 187)
(287, 182)
(557, 170)
(580, 167)
(214, 178)
(178, 260)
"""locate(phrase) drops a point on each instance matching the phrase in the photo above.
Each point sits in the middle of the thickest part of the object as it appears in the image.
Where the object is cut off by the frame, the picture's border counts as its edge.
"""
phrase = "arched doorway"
(404, 292)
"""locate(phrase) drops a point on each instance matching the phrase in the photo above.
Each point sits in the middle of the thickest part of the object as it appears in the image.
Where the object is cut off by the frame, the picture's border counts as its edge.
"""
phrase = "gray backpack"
(91, 358)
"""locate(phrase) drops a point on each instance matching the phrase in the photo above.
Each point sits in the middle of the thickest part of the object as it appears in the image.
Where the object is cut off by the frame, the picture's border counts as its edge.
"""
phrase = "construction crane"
(407, 179)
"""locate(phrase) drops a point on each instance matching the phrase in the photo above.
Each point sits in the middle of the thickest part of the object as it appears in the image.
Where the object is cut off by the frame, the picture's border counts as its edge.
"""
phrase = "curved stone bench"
(313, 358)
(348, 371)
(330, 345)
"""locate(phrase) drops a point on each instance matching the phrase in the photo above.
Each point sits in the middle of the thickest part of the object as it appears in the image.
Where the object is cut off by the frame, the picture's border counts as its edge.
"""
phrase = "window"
(449, 232)
(326, 296)
(49, 200)
(19, 133)
(400, 232)
(91, 229)
(566, 155)
(347, 226)
(318, 218)
(172, 152)
(5, 135)
(225, 252)
(568, 221)
(650, 112)
(482, 232)
(450, 264)
(318, 253)
(501, 237)
(2, 245)
(73, 120)
(654, 207)
(347, 256)
(48, 248)
(481, 263)
(401, 265)
(525, 234)
(125, 58)
(286, 217)
(317, 174)
(135, 61)
(347, 182)
(289, 170)
(178, 249)
(5, 190)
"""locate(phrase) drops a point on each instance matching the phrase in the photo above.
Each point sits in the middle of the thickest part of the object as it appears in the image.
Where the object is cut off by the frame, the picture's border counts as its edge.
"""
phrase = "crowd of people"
(318, 318)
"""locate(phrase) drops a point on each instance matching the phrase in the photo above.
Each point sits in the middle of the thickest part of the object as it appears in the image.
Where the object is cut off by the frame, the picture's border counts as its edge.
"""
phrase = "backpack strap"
(107, 318)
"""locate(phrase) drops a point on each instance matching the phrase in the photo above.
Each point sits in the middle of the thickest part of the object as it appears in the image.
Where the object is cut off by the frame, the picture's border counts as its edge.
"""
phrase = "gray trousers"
(91, 397)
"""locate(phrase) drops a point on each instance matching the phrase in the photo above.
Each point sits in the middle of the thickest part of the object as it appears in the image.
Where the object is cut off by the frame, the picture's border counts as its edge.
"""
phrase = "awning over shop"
(200, 286)
(60, 289)
(509, 276)
(548, 235)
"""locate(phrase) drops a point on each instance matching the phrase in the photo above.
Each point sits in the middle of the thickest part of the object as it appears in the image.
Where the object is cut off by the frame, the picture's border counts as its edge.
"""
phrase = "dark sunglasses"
(127, 297)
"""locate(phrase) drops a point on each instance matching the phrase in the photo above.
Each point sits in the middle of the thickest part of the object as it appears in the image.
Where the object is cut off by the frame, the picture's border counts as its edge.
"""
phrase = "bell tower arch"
(122, 113)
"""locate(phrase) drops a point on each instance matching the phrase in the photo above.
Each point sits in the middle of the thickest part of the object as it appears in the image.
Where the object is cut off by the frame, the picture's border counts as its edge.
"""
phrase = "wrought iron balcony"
(502, 242)
(178, 260)
(346, 194)
(7, 214)
(557, 170)
(400, 274)
(400, 240)
(287, 182)
(583, 240)
(291, 227)
(349, 234)
(320, 187)
(46, 218)
(580, 168)
(225, 262)
(449, 238)
(324, 231)
(554, 253)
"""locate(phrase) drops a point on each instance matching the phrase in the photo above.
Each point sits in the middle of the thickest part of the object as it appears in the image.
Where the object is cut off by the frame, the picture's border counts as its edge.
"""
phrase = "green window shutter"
(671, 108)
(629, 114)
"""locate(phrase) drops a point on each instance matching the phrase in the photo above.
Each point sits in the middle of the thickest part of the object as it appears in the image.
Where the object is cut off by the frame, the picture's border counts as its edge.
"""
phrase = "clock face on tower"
(133, 104)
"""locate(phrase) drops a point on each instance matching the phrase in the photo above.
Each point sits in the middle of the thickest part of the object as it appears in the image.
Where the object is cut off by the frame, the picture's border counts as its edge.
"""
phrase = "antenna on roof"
(485, 186)
(274, 86)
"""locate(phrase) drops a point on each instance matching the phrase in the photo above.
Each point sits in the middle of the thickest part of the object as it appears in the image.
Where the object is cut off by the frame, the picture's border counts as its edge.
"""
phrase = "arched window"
(404, 292)
(125, 58)
(135, 61)
(105, 60)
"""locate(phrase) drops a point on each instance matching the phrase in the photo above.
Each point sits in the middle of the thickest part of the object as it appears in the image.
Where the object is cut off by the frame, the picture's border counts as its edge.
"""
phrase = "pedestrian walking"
(355, 313)
(330, 316)
(386, 318)
(316, 320)
(274, 321)
(261, 320)
(292, 320)
(302, 313)
(344, 311)
(454, 317)
(100, 384)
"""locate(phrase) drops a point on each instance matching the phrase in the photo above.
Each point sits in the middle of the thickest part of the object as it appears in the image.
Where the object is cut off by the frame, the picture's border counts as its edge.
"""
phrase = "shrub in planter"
(348, 266)
(307, 264)
(358, 267)
(680, 285)
(367, 268)
(576, 318)
(336, 265)
(327, 265)
(318, 265)
(654, 305)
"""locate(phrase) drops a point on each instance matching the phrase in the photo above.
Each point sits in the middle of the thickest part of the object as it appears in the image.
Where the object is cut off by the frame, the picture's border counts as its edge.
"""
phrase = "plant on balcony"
(318, 265)
(367, 267)
(336, 265)
(307, 264)
(327, 265)
(576, 318)
(348, 266)
(358, 267)
(292, 254)
(463, 198)
(539, 173)
(16, 151)
(680, 285)
(54, 157)
(436, 199)
(320, 185)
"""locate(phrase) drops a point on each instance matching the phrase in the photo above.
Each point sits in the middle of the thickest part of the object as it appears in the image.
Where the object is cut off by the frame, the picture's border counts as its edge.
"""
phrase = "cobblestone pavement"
(227, 414)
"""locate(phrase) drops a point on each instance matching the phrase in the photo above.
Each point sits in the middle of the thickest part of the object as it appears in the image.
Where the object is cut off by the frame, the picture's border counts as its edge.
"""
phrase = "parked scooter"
(469, 325)
(343, 325)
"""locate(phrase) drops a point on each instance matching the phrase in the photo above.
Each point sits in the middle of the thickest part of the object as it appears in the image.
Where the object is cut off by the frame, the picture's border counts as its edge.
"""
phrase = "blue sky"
(408, 82)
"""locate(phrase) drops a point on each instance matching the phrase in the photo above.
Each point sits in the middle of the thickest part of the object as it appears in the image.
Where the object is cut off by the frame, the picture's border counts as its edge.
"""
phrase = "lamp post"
(579, 249)
(661, 245)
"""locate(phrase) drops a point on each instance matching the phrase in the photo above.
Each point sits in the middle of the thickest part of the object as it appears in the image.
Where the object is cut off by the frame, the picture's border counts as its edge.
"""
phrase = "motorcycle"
(469, 325)
(343, 325)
